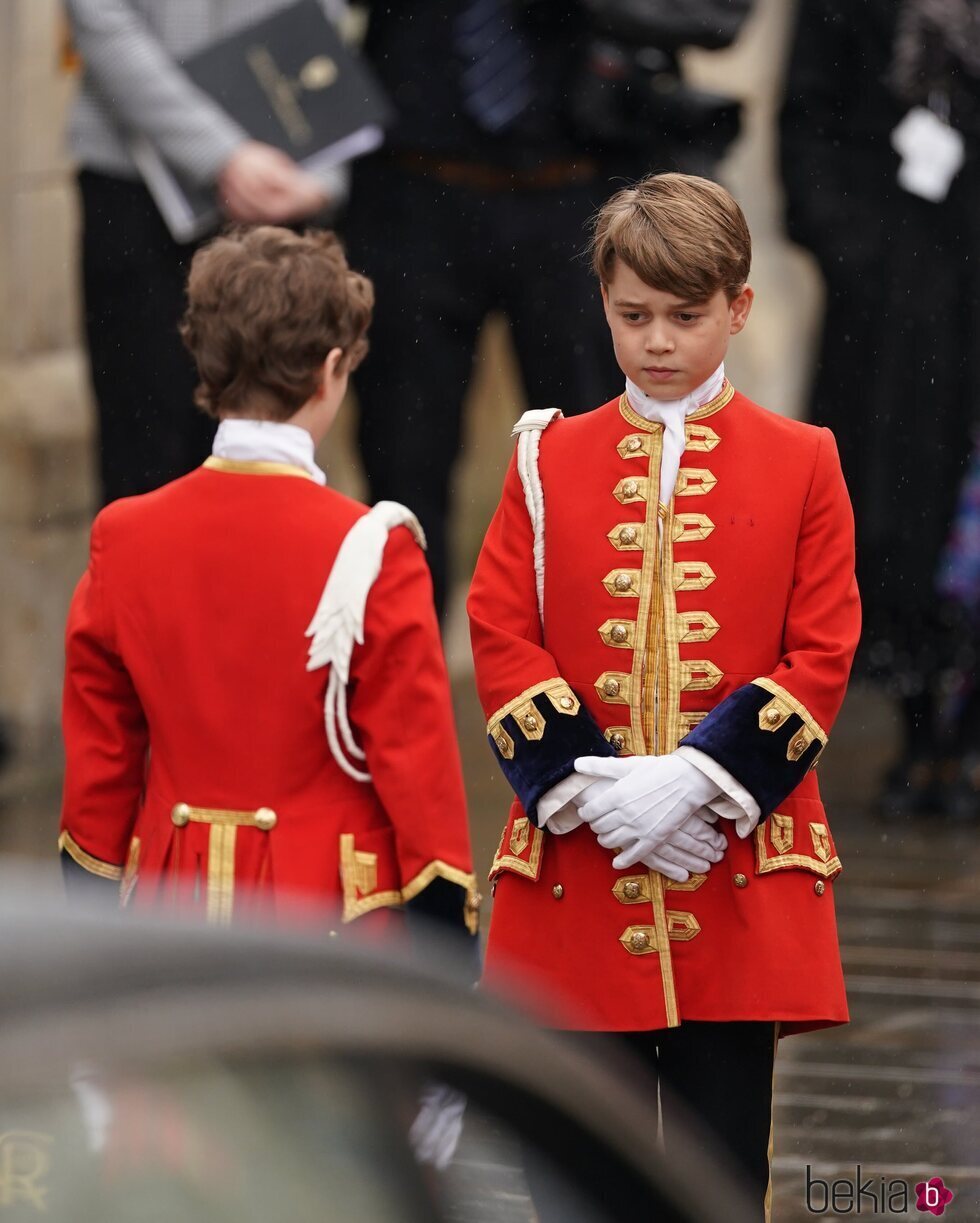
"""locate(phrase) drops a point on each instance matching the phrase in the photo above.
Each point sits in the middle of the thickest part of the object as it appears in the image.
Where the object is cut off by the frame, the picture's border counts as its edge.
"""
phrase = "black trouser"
(717, 1077)
(133, 276)
(441, 258)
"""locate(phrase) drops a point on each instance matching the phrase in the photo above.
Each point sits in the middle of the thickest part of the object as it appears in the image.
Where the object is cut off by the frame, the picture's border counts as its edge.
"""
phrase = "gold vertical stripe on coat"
(221, 873)
(663, 946)
(670, 692)
(641, 715)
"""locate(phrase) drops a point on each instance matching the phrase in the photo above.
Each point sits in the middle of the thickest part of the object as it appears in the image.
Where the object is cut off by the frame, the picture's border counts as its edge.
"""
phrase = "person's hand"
(261, 184)
(692, 850)
(436, 1130)
(652, 797)
(567, 818)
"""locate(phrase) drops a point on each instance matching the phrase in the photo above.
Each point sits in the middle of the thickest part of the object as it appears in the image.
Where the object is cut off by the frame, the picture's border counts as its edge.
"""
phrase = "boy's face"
(665, 345)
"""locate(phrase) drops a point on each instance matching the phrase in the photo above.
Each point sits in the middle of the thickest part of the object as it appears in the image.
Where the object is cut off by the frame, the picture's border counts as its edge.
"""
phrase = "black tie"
(497, 63)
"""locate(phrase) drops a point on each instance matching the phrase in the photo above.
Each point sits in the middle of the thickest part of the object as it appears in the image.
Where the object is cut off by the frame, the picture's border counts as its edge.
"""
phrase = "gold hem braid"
(94, 866)
(359, 877)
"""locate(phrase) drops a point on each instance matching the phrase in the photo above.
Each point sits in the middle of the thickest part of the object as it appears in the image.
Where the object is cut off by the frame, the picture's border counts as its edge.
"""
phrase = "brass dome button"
(820, 887)
(798, 746)
(631, 890)
(619, 633)
(773, 716)
(627, 535)
(617, 741)
(740, 880)
(529, 722)
(501, 743)
(623, 581)
(566, 702)
(639, 940)
(633, 445)
(266, 819)
(558, 891)
(611, 687)
(180, 815)
(631, 488)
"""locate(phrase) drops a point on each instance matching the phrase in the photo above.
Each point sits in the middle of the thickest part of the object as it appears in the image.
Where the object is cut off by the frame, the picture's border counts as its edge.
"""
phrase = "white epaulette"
(338, 622)
(528, 431)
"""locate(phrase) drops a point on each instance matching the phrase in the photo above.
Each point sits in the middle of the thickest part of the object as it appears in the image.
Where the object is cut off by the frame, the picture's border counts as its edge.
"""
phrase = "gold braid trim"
(255, 467)
(723, 397)
(437, 869)
(556, 690)
(766, 862)
(95, 866)
(809, 721)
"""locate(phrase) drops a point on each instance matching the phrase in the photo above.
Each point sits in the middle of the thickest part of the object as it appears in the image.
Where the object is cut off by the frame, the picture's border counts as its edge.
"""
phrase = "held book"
(289, 81)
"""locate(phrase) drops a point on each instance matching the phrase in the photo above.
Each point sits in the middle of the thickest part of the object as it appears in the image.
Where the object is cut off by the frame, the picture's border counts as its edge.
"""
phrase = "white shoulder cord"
(338, 622)
(528, 431)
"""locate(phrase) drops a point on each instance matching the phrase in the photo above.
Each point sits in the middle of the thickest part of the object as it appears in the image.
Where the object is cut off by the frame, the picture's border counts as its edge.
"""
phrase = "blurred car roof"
(137, 995)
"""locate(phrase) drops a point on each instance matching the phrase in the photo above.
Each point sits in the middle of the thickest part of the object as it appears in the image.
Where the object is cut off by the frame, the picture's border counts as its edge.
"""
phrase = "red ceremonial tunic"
(732, 629)
(198, 769)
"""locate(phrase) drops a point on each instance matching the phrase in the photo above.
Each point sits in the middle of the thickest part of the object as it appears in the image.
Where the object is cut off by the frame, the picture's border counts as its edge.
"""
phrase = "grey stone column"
(46, 467)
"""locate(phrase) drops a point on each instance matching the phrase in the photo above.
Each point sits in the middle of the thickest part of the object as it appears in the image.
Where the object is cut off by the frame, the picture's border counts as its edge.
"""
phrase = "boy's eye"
(633, 316)
(686, 317)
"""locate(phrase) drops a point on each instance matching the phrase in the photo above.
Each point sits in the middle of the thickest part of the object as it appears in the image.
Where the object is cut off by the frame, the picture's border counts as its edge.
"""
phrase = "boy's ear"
(333, 366)
(739, 309)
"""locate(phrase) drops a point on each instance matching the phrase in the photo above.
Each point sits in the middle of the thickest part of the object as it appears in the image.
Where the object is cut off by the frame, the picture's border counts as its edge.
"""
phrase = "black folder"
(289, 81)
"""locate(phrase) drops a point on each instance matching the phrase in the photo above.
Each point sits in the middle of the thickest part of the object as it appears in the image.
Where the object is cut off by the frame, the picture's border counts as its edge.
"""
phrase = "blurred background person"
(513, 117)
(133, 272)
(893, 223)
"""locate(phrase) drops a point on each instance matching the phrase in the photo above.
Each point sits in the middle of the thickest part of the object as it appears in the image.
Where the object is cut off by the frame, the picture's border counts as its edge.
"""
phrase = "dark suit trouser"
(716, 1087)
(441, 258)
(133, 276)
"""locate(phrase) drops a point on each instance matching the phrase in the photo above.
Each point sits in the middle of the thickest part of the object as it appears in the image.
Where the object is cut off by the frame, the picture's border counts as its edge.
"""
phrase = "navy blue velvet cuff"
(537, 738)
(764, 738)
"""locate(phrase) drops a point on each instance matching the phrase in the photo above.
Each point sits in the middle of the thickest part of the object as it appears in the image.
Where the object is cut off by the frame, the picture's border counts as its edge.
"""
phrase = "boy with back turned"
(257, 714)
(664, 615)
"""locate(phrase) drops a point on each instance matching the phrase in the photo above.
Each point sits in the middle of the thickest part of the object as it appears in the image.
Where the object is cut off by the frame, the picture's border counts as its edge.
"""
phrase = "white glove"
(566, 818)
(434, 1134)
(693, 848)
(652, 798)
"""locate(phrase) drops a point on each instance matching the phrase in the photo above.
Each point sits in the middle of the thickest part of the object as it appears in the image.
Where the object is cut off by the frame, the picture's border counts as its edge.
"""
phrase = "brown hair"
(679, 233)
(265, 307)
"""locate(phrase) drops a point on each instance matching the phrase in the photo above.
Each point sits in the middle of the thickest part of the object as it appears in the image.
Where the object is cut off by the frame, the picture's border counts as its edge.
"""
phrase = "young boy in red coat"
(663, 617)
(257, 714)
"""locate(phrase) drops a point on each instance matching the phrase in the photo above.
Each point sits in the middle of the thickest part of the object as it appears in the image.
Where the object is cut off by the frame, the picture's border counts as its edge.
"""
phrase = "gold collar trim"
(255, 467)
(723, 397)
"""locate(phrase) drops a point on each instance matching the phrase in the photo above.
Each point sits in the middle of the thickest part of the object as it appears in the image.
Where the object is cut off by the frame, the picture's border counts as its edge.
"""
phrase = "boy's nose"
(658, 341)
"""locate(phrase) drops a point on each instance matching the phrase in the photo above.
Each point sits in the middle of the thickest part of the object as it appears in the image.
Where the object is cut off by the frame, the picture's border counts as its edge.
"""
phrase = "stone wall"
(46, 485)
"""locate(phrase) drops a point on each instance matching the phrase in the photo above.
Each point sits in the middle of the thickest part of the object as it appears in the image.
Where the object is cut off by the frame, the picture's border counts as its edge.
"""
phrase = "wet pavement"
(896, 1092)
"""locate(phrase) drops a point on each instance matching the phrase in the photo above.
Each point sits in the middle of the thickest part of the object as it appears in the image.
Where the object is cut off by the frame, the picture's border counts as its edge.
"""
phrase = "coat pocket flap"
(785, 842)
(520, 849)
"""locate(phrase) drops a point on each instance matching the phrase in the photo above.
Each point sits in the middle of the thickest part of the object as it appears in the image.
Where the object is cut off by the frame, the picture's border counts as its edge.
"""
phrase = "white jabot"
(671, 413)
(266, 441)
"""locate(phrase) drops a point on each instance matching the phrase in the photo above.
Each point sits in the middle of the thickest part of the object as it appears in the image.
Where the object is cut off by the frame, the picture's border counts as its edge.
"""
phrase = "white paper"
(931, 151)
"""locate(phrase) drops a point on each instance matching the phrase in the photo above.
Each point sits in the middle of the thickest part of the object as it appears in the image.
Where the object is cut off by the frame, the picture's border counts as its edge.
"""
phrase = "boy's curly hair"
(265, 307)
(679, 233)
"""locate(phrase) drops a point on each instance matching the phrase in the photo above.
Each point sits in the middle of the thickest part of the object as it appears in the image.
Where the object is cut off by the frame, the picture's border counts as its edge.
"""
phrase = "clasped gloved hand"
(645, 813)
